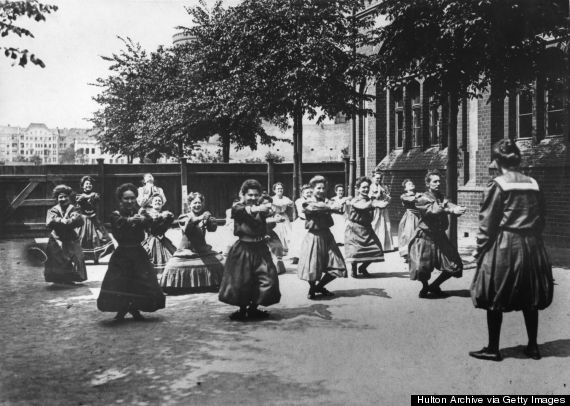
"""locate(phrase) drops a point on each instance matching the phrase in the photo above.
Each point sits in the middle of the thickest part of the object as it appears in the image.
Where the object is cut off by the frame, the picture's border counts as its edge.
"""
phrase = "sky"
(70, 42)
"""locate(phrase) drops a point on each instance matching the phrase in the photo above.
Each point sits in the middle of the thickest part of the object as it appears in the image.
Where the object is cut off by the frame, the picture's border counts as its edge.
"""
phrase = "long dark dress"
(408, 223)
(430, 248)
(250, 276)
(194, 267)
(361, 244)
(65, 261)
(513, 269)
(319, 252)
(94, 238)
(157, 246)
(130, 282)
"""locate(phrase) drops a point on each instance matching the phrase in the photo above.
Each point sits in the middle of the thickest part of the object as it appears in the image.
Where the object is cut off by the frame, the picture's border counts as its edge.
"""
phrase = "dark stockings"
(531, 322)
(440, 279)
(494, 321)
(327, 278)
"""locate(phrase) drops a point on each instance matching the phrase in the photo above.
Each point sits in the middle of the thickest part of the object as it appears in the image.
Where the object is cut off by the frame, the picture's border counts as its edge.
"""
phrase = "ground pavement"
(374, 343)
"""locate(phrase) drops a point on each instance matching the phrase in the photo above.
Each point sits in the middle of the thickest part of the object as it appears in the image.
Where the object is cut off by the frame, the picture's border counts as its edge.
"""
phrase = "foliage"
(463, 47)
(204, 155)
(298, 55)
(233, 111)
(80, 156)
(36, 160)
(273, 157)
(68, 155)
(10, 11)
(254, 160)
(288, 60)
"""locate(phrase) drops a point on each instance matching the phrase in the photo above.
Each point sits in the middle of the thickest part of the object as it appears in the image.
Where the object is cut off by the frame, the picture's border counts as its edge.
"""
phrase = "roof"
(37, 126)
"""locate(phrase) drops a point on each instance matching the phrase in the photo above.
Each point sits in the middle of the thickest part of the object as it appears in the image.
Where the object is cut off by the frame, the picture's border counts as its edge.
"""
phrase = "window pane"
(555, 123)
(416, 125)
(399, 128)
(525, 126)
(398, 98)
(525, 103)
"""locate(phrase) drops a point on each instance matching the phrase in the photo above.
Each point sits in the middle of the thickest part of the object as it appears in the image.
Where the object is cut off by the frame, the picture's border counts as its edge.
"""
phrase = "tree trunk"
(295, 158)
(451, 169)
(225, 146)
(300, 151)
(180, 151)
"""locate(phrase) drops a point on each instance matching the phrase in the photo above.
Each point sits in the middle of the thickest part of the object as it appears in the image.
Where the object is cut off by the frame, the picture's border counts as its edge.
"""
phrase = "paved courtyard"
(374, 343)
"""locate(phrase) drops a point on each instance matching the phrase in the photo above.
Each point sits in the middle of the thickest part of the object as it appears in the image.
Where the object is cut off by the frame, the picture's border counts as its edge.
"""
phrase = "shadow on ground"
(378, 275)
(377, 292)
(557, 348)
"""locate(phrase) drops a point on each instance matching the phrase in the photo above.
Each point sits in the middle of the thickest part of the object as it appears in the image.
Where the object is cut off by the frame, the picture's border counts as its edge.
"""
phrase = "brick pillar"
(497, 120)
(483, 156)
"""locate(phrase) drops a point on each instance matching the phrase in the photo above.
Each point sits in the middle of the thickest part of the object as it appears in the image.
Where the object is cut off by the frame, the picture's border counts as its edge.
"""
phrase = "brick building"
(407, 136)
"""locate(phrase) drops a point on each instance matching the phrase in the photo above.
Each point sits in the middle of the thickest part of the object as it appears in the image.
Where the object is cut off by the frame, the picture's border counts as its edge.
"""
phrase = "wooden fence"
(25, 191)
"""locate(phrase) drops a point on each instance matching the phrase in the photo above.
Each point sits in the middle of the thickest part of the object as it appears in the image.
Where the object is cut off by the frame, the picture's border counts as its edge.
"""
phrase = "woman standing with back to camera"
(513, 268)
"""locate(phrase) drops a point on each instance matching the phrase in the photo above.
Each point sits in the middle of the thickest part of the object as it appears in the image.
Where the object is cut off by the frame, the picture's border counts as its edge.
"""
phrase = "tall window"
(525, 105)
(555, 102)
(399, 117)
(416, 114)
(434, 122)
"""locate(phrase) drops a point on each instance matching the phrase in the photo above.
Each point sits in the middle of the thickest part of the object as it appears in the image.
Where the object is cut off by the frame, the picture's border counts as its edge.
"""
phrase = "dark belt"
(521, 231)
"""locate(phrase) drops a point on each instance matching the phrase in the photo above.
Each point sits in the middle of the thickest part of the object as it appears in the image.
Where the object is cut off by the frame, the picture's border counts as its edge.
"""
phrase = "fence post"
(183, 184)
(270, 175)
(101, 176)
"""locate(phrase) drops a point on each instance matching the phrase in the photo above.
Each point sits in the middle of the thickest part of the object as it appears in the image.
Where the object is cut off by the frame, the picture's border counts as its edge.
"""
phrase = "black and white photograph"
(284, 202)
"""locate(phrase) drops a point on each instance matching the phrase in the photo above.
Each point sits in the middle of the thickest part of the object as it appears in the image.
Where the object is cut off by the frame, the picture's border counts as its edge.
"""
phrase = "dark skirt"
(514, 274)
(94, 239)
(189, 272)
(64, 262)
(320, 254)
(361, 244)
(406, 231)
(430, 251)
(130, 283)
(250, 276)
(159, 250)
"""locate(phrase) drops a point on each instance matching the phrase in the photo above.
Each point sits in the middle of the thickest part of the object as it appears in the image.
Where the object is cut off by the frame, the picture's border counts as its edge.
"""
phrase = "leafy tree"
(148, 104)
(204, 155)
(464, 47)
(273, 157)
(121, 102)
(230, 108)
(68, 155)
(36, 160)
(80, 156)
(10, 11)
(291, 59)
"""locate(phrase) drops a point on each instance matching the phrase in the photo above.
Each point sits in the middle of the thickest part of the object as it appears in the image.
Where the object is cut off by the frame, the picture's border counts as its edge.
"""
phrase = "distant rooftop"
(37, 126)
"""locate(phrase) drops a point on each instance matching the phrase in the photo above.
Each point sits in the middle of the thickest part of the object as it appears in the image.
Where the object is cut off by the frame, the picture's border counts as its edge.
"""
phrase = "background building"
(406, 137)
